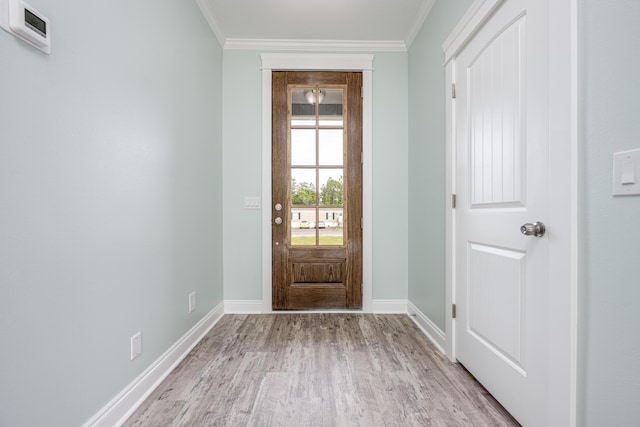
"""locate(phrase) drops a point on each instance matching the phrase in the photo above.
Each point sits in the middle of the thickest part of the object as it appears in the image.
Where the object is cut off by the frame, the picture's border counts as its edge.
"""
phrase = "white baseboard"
(435, 334)
(256, 307)
(243, 307)
(392, 306)
(116, 412)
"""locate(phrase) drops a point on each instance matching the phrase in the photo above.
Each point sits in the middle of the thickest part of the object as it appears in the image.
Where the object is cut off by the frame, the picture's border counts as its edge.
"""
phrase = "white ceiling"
(320, 20)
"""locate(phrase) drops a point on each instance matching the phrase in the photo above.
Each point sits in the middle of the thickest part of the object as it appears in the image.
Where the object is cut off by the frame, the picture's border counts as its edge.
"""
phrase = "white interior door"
(502, 151)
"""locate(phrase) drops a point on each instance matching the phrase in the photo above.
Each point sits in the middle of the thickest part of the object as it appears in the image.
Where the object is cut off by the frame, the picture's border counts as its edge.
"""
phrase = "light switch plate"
(626, 173)
(251, 202)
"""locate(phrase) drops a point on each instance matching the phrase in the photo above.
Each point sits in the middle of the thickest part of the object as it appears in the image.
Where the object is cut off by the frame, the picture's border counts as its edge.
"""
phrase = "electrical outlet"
(136, 345)
(192, 302)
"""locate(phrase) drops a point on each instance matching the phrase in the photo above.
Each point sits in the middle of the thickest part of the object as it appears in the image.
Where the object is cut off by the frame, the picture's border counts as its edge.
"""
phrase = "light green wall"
(427, 160)
(242, 175)
(609, 244)
(390, 176)
(110, 193)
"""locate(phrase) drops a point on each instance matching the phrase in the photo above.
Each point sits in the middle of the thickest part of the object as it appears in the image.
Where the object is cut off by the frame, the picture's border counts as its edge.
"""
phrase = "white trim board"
(476, 15)
(394, 306)
(243, 307)
(116, 412)
(398, 306)
(316, 45)
(430, 329)
(314, 62)
(320, 62)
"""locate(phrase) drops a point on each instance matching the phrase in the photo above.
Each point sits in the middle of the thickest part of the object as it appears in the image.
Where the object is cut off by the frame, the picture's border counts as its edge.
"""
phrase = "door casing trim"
(319, 62)
(563, 191)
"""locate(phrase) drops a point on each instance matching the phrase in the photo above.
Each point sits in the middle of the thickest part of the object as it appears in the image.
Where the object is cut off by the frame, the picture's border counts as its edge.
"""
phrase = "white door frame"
(563, 184)
(319, 62)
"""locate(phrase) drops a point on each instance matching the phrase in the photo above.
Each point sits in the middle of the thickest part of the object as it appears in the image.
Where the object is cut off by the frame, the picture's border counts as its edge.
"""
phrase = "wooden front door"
(317, 190)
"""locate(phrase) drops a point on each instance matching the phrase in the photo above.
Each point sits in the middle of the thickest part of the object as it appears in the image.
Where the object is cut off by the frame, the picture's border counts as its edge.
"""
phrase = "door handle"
(536, 229)
(278, 220)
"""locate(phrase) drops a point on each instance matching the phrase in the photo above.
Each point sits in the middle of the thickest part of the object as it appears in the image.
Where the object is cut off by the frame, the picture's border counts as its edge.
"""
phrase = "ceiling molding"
(425, 10)
(316, 45)
(205, 7)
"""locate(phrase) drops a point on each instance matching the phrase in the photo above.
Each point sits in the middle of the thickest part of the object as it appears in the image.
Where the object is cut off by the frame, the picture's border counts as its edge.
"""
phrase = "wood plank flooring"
(318, 370)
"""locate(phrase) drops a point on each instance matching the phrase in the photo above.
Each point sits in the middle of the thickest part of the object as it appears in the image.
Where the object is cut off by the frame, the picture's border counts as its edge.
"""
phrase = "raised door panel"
(496, 128)
(496, 279)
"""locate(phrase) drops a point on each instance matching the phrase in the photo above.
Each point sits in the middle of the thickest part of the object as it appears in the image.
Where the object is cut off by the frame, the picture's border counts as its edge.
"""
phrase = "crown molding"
(316, 45)
(205, 7)
(425, 10)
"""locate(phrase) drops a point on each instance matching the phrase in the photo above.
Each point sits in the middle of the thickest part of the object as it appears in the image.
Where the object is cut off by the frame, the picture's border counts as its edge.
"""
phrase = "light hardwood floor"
(318, 370)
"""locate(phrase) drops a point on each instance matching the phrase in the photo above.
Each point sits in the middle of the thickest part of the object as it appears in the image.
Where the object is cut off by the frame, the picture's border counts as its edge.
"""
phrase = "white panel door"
(501, 182)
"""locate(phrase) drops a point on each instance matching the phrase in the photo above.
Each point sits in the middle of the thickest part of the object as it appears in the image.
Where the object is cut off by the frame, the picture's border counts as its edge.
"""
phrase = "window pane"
(302, 113)
(331, 109)
(330, 228)
(303, 147)
(331, 147)
(303, 230)
(303, 187)
(331, 191)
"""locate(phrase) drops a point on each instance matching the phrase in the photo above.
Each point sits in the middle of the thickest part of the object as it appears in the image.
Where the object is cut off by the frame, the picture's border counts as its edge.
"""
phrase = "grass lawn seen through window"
(311, 240)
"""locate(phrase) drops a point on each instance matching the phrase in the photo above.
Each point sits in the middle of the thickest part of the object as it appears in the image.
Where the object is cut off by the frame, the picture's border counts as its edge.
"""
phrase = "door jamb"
(563, 190)
(319, 62)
